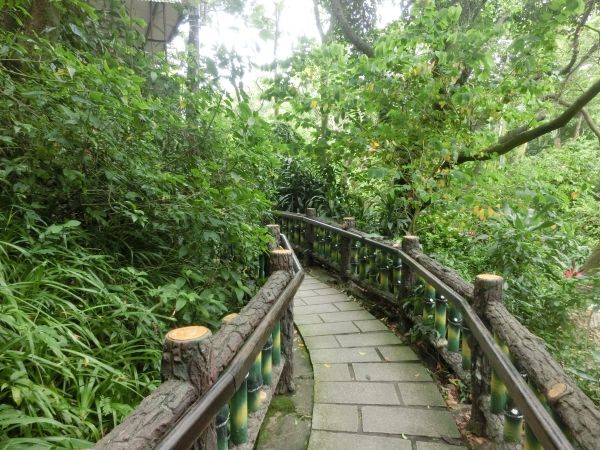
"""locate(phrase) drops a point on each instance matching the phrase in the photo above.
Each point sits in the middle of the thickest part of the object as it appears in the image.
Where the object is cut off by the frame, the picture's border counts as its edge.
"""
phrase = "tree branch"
(512, 140)
(587, 117)
(580, 25)
(337, 11)
(318, 20)
(590, 122)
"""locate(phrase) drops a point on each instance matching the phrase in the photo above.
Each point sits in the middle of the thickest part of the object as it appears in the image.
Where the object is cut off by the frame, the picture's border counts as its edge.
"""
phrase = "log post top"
(348, 223)
(410, 243)
(488, 279)
(229, 318)
(311, 212)
(189, 334)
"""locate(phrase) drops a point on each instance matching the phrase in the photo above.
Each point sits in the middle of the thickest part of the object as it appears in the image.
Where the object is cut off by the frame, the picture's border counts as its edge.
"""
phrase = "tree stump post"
(188, 356)
(282, 260)
(309, 238)
(408, 277)
(346, 249)
(275, 232)
(487, 288)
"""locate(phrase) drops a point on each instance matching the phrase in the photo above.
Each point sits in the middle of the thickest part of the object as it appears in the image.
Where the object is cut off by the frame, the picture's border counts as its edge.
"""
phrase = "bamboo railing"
(217, 387)
(521, 397)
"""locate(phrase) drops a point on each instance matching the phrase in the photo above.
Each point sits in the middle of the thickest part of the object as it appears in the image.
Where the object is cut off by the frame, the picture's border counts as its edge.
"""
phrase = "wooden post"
(188, 356)
(276, 233)
(488, 288)
(346, 249)
(408, 276)
(309, 237)
(282, 260)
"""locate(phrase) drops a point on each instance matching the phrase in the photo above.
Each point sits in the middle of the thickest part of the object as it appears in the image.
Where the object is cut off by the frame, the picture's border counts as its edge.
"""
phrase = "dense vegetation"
(129, 204)
(428, 127)
(132, 194)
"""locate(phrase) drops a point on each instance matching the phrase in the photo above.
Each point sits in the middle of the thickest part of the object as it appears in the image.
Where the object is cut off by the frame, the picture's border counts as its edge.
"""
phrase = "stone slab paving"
(370, 389)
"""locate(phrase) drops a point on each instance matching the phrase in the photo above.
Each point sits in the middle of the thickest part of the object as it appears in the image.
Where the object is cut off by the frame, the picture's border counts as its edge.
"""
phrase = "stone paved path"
(371, 391)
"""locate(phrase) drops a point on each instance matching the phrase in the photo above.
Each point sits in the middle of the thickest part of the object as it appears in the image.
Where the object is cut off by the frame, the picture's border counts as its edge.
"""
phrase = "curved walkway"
(371, 391)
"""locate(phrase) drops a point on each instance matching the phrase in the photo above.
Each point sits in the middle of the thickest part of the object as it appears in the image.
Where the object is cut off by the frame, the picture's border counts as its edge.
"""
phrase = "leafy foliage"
(129, 205)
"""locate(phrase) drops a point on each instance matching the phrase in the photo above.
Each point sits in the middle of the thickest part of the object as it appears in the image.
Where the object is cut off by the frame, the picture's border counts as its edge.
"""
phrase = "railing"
(216, 388)
(519, 392)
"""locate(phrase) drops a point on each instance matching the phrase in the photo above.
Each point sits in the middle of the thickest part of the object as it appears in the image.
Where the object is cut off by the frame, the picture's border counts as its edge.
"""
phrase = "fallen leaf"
(327, 366)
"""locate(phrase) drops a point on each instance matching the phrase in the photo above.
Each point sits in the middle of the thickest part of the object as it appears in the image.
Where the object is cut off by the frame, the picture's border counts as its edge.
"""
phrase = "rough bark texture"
(337, 11)
(447, 275)
(281, 260)
(408, 277)
(346, 249)
(145, 426)
(275, 231)
(488, 288)
(286, 382)
(231, 336)
(574, 408)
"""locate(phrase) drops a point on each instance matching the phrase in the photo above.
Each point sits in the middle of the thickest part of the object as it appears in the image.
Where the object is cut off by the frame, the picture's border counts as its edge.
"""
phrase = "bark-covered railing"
(217, 387)
(520, 394)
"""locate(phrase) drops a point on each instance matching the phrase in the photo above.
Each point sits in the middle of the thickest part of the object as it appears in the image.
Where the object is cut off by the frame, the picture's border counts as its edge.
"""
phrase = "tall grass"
(80, 339)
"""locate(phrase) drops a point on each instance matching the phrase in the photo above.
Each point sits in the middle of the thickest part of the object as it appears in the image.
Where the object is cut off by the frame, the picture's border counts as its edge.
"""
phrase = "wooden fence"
(520, 395)
(217, 387)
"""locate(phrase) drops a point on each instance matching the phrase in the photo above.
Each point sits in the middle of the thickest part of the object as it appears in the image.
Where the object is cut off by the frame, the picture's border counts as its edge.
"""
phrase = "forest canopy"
(135, 185)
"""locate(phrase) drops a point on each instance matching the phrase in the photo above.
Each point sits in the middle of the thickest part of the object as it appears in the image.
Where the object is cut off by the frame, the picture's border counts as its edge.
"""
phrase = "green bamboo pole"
(499, 393)
(267, 362)
(255, 384)
(513, 425)
(355, 258)
(465, 348)
(384, 270)
(335, 250)
(373, 269)
(239, 415)
(363, 262)
(327, 246)
(397, 268)
(531, 441)
(276, 335)
(429, 302)
(222, 431)
(454, 326)
(441, 307)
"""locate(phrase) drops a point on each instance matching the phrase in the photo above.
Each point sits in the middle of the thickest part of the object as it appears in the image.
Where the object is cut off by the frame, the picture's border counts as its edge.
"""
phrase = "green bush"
(129, 205)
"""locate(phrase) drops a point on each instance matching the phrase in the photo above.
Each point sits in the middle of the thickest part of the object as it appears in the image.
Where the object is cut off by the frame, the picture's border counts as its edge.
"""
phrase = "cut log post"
(410, 244)
(286, 381)
(188, 356)
(275, 232)
(282, 260)
(488, 288)
(346, 249)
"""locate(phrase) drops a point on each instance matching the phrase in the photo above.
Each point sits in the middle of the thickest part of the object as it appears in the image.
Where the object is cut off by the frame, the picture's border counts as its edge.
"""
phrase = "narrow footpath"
(371, 391)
